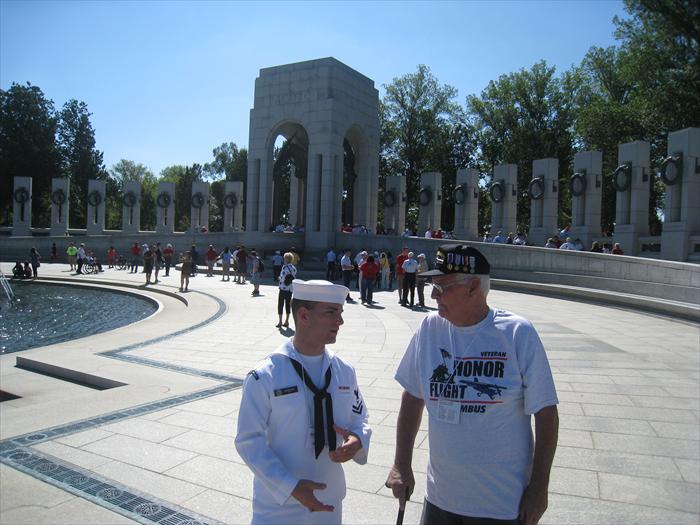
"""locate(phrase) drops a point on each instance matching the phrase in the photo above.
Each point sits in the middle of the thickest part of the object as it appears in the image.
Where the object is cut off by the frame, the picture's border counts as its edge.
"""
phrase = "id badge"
(448, 411)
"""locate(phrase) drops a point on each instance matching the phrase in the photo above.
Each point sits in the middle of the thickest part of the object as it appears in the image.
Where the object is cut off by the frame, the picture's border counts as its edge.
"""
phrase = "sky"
(166, 82)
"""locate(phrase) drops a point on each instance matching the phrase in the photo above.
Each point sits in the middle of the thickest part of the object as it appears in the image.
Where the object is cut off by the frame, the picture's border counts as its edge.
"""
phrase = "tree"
(183, 177)
(521, 117)
(27, 149)
(640, 90)
(417, 119)
(127, 170)
(80, 160)
(232, 164)
(228, 161)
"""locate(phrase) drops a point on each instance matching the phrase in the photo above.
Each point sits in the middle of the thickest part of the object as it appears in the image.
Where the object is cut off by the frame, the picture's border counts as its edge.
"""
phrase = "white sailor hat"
(319, 291)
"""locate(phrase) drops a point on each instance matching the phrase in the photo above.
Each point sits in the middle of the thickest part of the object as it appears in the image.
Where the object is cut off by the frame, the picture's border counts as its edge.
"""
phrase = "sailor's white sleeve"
(360, 422)
(251, 442)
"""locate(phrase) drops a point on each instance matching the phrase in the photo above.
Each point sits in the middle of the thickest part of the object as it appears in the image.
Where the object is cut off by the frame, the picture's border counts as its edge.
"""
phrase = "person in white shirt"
(330, 265)
(428, 233)
(347, 268)
(481, 373)
(410, 268)
(568, 245)
(302, 415)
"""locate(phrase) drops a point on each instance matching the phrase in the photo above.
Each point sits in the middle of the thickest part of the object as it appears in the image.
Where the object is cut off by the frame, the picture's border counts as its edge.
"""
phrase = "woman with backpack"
(284, 297)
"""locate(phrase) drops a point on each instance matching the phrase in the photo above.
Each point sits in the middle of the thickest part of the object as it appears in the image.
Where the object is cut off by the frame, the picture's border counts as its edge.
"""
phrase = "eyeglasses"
(440, 288)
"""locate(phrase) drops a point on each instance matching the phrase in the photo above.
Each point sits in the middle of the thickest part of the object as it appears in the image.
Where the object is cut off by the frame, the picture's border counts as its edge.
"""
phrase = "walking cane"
(399, 516)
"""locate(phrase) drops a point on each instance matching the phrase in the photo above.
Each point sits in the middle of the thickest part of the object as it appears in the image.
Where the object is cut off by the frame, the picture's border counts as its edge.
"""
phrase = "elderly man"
(481, 373)
(302, 415)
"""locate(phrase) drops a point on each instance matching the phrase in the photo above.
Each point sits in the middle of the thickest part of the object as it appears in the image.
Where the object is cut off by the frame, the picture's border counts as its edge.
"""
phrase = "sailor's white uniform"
(275, 426)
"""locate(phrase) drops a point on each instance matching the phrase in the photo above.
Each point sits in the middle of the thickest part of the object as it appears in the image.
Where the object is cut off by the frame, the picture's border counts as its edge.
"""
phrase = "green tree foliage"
(418, 119)
(521, 117)
(229, 161)
(128, 170)
(641, 90)
(80, 159)
(183, 177)
(229, 164)
(28, 148)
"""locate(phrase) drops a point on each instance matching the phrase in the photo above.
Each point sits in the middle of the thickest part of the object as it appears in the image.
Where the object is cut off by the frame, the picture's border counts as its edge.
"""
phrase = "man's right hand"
(401, 482)
(304, 493)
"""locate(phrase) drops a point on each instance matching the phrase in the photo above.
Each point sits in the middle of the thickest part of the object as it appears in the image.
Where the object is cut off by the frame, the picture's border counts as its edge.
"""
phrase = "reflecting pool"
(44, 314)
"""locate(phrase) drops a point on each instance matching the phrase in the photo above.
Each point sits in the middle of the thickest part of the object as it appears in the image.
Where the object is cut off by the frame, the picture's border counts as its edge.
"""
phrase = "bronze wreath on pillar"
(94, 198)
(459, 193)
(675, 162)
(129, 199)
(163, 200)
(578, 184)
(197, 200)
(622, 177)
(497, 191)
(21, 195)
(426, 195)
(58, 197)
(536, 188)
(231, 200)
(389, 198)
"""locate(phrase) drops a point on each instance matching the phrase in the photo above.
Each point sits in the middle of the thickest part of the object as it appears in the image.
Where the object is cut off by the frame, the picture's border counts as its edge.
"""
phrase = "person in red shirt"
(211, 259)
(368, 271)
(111, 256)
(617, 250)
(135, 256)
(168, 257)
(400, 272)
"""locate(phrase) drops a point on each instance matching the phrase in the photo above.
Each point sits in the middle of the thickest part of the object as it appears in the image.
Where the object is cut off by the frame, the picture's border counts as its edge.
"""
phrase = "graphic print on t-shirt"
(473, 379)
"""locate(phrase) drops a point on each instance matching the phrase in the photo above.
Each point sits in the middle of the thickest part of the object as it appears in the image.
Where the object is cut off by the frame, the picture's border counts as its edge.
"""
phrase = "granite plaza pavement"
(159, 449)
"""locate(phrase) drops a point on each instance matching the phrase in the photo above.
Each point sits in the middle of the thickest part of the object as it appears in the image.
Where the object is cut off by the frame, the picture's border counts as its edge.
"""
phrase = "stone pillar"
(313, 191)
(233, 206)
(543, 191)
(60, 200)
(96, 204)
(199, 206)
(251, 209)
(586, 185)
(631, 182)
(395, 204)
(265, 189)
(504, 198)
(680, 172)
(466, 199)
(430, 202)
(295, 188)
(131, 207)
(165, 208)
(22, 207)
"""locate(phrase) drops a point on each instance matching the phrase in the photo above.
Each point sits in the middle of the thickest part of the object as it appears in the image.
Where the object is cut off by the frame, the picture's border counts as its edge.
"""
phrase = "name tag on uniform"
(286, 391)
(448, 411)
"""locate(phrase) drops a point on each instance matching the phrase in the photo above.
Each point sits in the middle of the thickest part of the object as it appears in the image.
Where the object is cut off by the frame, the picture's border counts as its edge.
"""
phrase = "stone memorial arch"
(326, 171)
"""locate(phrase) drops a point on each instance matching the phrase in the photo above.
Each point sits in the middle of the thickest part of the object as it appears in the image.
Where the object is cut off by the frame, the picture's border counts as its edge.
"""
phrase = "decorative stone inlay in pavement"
(128, 502)
(123, 500)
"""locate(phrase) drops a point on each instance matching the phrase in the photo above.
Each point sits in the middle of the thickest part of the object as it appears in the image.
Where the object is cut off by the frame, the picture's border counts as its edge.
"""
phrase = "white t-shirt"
(491, 377)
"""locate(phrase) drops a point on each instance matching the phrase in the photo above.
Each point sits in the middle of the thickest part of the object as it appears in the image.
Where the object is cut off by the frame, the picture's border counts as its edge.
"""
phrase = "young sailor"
(302, 415)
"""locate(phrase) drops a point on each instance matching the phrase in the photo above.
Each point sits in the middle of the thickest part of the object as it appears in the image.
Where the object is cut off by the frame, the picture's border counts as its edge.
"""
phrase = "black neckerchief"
(319, 396)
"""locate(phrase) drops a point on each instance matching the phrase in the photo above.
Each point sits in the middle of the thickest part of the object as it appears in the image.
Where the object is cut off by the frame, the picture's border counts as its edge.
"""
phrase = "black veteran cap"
(459, 258)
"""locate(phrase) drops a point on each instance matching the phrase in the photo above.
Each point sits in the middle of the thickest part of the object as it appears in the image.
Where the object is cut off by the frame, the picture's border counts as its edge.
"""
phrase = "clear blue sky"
(166, 82)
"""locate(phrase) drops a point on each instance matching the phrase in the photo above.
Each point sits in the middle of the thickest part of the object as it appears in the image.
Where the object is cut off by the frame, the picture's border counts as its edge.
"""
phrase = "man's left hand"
(533, 504)
(351, 445)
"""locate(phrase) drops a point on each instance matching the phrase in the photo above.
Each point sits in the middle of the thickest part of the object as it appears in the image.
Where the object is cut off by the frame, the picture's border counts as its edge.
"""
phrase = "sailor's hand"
(351, 445)
(401, 483)
(304, 493)
(533, 504)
